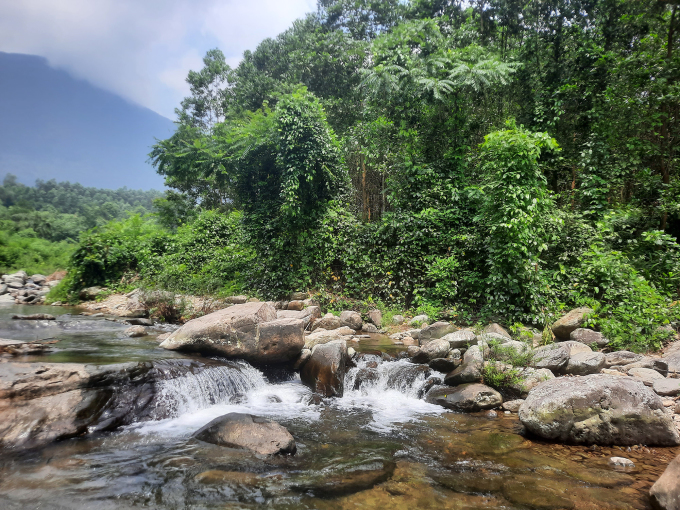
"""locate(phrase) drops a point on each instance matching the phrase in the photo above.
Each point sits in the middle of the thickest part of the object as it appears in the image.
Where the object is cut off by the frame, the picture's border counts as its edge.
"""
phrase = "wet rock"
(598, 409)
(305, 354)
(431, 350)
(665, 493)
(245, 431)
(375, 317)
(413, 350)
(10, 348)
(325, 370)
(163, 337)
(135, 331)
(398, 320)
(554, 357)
(89, 293)
(466, 397)
(621, 358)
(589, 337)
(584, 363)
(646, 375)
(35, 317)
(139, 322)
(573, 347)
(466, 373)
(462, 338)
(351, 319)
(573, 320)
(436, 330)
(666, 387)
(621, 462)
(407, 376)
(444, 365)
(512, 405)
(250, 331)
(219, 477)
(409, 341)
(365, 377)
(498, 330)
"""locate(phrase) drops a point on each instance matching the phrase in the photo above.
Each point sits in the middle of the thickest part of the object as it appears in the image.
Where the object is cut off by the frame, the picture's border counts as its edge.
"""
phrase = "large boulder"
(307, 315)
(598, 409)
(589, 337)
(673, 360)
(466, 373)
(250, 331)
(554, 357)
(667, 387)
(248, 432)
(436, 330)
(375, 316)
(665, 493)
(321, 336)
(351, 319)
(462, 338)
(584, 363)
(431, 350)
(466, 397)
(327, 322)
(498, 330)
(325, 370)
(620, 358)
(563, 327)
(529, 378)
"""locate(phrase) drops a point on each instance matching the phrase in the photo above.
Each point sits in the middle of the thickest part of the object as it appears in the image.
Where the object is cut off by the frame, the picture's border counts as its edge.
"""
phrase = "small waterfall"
(185, 388)
(373, 376)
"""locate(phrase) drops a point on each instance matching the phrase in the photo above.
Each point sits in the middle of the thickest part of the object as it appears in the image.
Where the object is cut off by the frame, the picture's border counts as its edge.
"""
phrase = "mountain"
(54, 126)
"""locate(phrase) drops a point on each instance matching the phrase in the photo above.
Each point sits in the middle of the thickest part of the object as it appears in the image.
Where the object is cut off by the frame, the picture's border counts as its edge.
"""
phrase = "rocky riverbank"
(21, 289)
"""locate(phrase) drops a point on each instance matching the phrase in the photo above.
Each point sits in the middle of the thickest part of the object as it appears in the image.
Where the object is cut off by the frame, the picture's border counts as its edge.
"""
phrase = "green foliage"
(24, 250)
(503, 366)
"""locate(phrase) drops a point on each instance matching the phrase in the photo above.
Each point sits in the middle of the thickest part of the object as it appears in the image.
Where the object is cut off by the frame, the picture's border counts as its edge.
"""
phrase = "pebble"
(621, 461)
(492, 414)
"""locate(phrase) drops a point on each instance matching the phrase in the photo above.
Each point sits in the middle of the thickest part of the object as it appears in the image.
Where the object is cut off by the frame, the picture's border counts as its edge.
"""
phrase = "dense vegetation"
(495, 159)
(40, 225)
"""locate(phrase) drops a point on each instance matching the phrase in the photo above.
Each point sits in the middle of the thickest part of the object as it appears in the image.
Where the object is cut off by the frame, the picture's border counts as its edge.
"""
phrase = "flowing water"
(379, 446)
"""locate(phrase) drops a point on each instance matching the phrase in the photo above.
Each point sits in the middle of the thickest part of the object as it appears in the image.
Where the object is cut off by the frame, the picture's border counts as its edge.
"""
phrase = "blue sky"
(141, 49)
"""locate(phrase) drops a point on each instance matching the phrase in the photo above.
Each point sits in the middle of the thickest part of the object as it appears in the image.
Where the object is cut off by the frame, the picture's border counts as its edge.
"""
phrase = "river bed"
(376, 447)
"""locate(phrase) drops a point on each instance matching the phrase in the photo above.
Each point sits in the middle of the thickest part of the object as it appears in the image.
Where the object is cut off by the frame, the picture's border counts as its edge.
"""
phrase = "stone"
(325, 370)
(365, 377)
(530, 378)
(375, 317)
(295, 305)
(305, 354)
(250, 331)
(646, 375)
(584, 363)
(307, 315)
(35, 317)
(658, 365)
(497, 329)
(398, 320)
(598, 409)
(462, 338)
(612, 359)
(673, 361)
(418, 320)
(665, 493)
(574, 347)
(219, 477)
(444, 365)
(299, 296)
(139, 322)
(491, 337)
(554, 357)
(573, 320)
(433, 349)
(89, 293)
(39, 279)
(248, 432)
(409, 341)
(405, 377)
(589, 337)
(135, 331)
(466, 397)
(369, 328)
(667, 387)
(236, 300)
(351, 319)
(412, 350)
(621, 462)
(466, 373)
(474, 355)
(512, 405)
(321, 336)
(3, 289)
(24, 347)
(436, 330)
(517, 346)
(328, 322)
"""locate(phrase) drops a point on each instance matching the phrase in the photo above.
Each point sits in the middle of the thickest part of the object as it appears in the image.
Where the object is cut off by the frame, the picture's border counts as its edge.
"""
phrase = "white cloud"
(141, 49)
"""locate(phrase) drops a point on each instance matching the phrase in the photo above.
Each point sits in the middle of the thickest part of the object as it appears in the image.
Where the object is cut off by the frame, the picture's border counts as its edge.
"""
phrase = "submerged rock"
(598, 409)
(665, 493)
(324, 372)
(249, 331)
(466, 397)
(245, 431)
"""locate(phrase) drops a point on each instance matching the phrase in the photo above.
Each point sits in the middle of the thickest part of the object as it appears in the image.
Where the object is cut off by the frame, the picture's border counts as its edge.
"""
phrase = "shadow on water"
(379, 446)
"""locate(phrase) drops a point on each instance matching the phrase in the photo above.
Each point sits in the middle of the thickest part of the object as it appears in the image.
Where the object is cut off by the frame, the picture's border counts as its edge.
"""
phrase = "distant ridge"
(54, 126)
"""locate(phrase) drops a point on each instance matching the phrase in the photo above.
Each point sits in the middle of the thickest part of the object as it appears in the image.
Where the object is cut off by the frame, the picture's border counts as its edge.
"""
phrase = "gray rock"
(369, 328)
(573, 320)
(659, 365)
(444, 365)
(39, 279)
(299, 296)
(249, 331)
(573, 347)
(466, 373)
(665, 493)
(491, 337)
(498, 330)
(140, 322)
(621, 358)
(433, 349)
(89, 293)
(245, 431)
(584, 363)
(530, 378)
(375, 317)
(327, 322)
(3, 289)
(418, 319)
(461, 338)
(236, 300)
(673, 360)
(397, 320)
(135, 331)
(474, 355)
(512, 405)
(598, 409)
(621, 462)
(589, 337)
(518, 347)
(554, 357)
(325, 370)
(305, 354)
(35, 317)
(413, 333)
(436, 330)
(307, 315)
(646, 375)
(351, 319)
(466, 397)
(667, 387)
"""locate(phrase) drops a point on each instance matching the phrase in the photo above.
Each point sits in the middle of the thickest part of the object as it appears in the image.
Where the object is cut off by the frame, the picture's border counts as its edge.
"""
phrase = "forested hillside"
(40, 225)
(495, 159)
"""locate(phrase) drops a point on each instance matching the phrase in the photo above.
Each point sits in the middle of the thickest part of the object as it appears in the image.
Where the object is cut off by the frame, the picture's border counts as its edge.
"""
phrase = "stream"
(379, 446)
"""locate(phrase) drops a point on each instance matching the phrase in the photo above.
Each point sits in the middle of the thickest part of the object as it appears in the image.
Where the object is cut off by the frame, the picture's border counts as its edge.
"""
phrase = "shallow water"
(379, 446)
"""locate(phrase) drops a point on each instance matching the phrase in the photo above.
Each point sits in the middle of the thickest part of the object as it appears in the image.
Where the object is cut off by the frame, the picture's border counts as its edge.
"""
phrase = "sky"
(141, 49)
